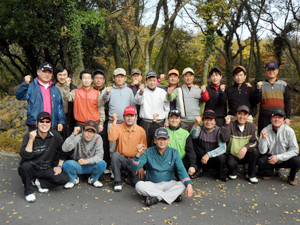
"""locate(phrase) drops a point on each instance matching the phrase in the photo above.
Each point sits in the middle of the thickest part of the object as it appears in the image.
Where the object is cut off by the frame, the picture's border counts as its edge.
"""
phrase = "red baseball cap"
(129, 110)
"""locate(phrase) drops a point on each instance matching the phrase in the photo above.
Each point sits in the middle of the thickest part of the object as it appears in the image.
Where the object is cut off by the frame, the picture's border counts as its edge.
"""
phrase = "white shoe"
(38, 185)
(253, 180)
(96, 184)
(107, 171)
(30, 198)
(232, 177)
(118, 186)
(72, 184)
(112, 176)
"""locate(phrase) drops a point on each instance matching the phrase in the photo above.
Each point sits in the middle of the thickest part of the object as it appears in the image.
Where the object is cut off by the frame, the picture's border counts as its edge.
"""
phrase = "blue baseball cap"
(271, 65)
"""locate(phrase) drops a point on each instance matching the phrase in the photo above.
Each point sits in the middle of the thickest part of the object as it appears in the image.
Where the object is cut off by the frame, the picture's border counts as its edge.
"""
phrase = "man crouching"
(161, 162)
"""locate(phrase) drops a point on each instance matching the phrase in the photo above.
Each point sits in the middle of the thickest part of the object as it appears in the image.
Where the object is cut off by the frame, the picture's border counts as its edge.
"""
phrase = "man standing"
(213, 99)
(241, 139)
(152, 100)
(161, 161)
(188, 99)
(38, 165)
(173, 79)
(87, 101)
(278, 144)
(180, 139)
(209, 147)
(128, 135)
(272, 94)
(118, 97)
(239, 94)
(42, 96)
(61, 73)
(87, 157)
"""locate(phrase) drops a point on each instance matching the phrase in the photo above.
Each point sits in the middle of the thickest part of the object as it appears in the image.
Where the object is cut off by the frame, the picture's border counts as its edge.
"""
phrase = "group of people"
(155, 134)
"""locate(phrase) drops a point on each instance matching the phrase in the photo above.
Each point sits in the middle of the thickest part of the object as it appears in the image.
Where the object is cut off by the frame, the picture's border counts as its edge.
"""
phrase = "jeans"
(72, 168)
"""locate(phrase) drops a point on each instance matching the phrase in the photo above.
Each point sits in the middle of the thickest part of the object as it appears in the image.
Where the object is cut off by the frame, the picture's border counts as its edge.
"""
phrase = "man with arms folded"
(208, 145)
(87, 155)
(161, 161)
(38, 165)
(241, 139)
(278, 144)
(127, 136)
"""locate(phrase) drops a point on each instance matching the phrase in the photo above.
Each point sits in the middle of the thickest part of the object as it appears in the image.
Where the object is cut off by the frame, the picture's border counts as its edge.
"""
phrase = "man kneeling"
(161, 162)
(87, 155)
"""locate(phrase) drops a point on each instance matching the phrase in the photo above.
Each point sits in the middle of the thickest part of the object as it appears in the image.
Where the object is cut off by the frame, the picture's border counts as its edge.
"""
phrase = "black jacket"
(216, 102)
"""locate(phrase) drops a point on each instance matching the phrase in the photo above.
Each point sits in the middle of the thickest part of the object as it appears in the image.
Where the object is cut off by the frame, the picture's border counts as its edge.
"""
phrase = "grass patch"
(9, 144)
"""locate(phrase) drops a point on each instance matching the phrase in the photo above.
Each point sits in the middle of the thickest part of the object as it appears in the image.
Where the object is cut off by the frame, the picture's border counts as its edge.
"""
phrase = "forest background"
(154, 35)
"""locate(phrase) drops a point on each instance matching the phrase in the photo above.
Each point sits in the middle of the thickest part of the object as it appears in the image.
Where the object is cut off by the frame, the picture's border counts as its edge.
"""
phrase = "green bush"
(9, 144)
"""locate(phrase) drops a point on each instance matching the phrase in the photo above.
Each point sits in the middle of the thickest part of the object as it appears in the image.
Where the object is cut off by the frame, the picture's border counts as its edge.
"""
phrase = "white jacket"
(283, 143)
(153, 101)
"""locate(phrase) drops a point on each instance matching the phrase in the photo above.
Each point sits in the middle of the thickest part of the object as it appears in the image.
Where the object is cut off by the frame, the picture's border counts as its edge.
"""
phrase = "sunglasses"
(41, 121)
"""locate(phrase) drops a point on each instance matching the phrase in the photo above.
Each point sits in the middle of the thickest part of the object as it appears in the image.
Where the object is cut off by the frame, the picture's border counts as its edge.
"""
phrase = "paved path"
(214, 202)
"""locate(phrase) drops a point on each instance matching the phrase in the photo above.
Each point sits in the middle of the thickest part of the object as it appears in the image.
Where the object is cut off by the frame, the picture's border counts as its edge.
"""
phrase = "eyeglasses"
(44, 121)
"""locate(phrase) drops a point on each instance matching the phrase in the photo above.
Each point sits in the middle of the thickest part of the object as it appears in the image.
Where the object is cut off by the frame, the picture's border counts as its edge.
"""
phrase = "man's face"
(44, 125)
(151, 82)
(209, 123)
(137, 77)
(88, 134)
(119, 80)
(272, 73)
(161, 143)
(99, 80)
(277, 121)
(129, 119)
(45, 76)
(86, 80)
(215, 78)
(62, 77)
(240, 78)
(174, 121)
(188, 78)
(173, 79)
(242, 117)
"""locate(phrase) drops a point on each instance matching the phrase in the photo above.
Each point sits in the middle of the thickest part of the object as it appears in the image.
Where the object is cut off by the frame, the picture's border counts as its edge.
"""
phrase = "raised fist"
(222, 87)
(140, 147)
(228, 119)
(264, 134)
(196, 86)
(135, 82)
(170, 90)
(258, 85)
(155, 117)
(142, 88)
(114, 116)
(108, 90)
(198, 120)
(32, 135)
(27, 79)
(68, 81)
(76, 130)
(203, 88)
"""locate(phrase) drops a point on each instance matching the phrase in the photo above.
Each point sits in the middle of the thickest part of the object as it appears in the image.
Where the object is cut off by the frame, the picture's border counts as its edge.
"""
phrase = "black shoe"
(178, 199)
(197, 174)
(277, 173)
(223, 178)
(151, 200)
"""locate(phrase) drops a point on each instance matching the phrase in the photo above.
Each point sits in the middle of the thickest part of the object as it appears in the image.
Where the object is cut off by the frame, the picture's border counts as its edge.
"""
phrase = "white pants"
(167, 190)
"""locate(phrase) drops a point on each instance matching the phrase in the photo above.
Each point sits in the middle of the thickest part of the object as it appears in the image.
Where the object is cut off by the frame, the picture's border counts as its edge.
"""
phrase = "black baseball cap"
(209, 114)
(43, 115)
(151, 74)
(215, 69)
(174, 112)
(279, 112)
(161, 133)
(46, 66)
(98, 71)
(243, 108)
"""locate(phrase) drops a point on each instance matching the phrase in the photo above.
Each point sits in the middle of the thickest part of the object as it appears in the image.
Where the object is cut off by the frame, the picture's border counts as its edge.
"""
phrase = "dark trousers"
(263, 121)
(220, 121)
(46, 177)
(216, 163)
(118, 163)
(104, 136)
(268, 169)
(250, 157)
(68, 127)
(187, 125)
(144, 124)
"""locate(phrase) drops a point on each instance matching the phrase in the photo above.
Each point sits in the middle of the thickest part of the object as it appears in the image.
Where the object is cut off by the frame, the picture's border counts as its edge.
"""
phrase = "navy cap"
(161, 133)
(151, 74)
(98, 71)
(279, 112)
(271, 65)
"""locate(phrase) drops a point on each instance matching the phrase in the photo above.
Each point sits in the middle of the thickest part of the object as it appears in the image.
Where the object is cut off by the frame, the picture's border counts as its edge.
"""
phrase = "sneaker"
(72, 184)
(292, 182)
(253, 180)
(97, 183)
(151, 200)
(112, 176)
(178, 199)
(232, 177)
(30, 198)
(118, 186)
(107, 171)
(40, 189)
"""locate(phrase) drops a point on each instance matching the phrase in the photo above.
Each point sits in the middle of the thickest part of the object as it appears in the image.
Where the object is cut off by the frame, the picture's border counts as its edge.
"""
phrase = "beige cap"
(119, 71)
(188, 69)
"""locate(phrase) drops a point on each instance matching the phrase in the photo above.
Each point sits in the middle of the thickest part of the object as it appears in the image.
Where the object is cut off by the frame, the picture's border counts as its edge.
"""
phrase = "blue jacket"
(161, 167)
(33, 94)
